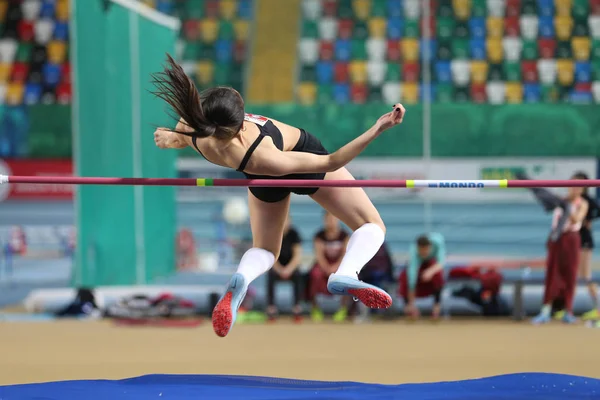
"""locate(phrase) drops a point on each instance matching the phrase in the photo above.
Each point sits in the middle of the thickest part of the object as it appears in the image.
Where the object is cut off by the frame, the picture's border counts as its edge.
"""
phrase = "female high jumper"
(215, 124)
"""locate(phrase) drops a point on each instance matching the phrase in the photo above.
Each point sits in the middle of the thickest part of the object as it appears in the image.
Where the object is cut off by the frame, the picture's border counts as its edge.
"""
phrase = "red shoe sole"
(221, 317)
(372, 298)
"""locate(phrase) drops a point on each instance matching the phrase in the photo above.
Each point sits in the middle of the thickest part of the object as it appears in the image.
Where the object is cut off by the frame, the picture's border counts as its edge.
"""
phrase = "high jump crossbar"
(306, 183)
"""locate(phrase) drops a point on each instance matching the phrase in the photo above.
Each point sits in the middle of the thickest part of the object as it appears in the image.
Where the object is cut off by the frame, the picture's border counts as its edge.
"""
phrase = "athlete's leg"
(267, 221)
(353, 207)
(585, 271)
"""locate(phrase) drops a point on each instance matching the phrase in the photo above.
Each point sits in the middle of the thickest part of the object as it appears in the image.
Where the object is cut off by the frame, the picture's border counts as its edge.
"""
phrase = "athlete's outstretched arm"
(170, 139)
(273, 162)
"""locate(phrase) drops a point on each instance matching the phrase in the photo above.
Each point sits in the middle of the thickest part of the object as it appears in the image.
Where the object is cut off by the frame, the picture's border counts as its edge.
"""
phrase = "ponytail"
(179, 91)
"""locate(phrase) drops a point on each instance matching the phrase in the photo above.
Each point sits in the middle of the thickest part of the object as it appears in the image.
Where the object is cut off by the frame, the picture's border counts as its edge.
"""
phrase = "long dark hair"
(582, 175)
(217, 112)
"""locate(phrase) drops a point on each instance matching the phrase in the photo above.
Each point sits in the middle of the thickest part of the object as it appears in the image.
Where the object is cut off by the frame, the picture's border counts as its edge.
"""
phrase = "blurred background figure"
(286, 270)
(424, 274)
(187, 254)
(562, 264)
(329, 247)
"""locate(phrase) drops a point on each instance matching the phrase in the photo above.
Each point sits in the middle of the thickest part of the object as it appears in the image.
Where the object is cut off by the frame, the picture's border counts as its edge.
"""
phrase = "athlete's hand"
(391, 119)
(162, 138)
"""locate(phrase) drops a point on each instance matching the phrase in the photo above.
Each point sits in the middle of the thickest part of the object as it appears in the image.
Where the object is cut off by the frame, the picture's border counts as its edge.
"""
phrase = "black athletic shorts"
(587, 240)
(307, 144)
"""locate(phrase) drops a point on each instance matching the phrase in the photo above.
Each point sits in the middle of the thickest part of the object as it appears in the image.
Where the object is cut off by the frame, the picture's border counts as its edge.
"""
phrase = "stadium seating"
(494, 51)
(34, 45)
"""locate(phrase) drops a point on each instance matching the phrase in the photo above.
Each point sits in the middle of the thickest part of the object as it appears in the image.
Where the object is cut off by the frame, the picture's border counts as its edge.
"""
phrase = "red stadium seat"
(326, 50)
(341, 72)
(547, 48)
(433, 6)
(239, 52)
(19, 72)
(512, 26)
(191, 30)
(26, 30)
(359, 93)
(66, 72)
(513, 8)
(63, 93)
(584, 87)
(212, 8)
(595, 7)
(410, 71)
(529, 71)
(478, 93)
(330, 8)
(393, 50)
(345, 28)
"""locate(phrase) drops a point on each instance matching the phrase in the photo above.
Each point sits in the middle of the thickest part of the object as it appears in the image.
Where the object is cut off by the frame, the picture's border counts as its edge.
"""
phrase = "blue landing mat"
(527, 386)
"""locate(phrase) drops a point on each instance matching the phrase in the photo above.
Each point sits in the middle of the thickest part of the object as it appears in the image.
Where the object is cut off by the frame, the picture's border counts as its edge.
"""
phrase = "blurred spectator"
(18, 242)
(424, 275)
(564, 247)
(329, 247)
(187, 254)
(286, 269)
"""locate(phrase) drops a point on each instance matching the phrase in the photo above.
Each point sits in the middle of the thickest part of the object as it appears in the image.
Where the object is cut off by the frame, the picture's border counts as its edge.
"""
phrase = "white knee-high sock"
(254, 263)
(364, 243)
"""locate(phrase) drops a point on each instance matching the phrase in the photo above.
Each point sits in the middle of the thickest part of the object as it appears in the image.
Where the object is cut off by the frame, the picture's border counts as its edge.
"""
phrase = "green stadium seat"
(444, 93)
(207, 52)
(191, 51)
(444, 50)
(379, 8)
(194, 9)
(359, 49)
(308, 73)
(394, 72)
(23, 52)
(325, 94)
(461, 29)
(445, 27)
(595, 54)
(222, 74)
(495, 73)
(550, 93)
(226, 30)
(361, 30)
(375, 94)
(596, 70)
(530, 50)
(512, 71)
(529, 7)
(444, 9)
(460, 48)
(411, 28)
(345, 9)
(461, 94)
(310, 29)
(581, 27)
(479, 8)
(563, 49)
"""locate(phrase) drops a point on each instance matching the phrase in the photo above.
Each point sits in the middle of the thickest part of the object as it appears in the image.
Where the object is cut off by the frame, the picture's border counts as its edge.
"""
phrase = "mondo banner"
(24, 191)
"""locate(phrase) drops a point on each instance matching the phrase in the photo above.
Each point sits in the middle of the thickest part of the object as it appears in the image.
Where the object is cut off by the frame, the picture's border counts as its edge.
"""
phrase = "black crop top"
(266, 128)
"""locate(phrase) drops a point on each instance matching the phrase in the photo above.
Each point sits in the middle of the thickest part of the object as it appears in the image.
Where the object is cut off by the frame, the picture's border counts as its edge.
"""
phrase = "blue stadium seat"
(343, 49)
(61, 31)
(432, 45)
(443, 72)
(223, 50)
(164, 6)
(477, 49)
(245, 9)
(394, 8)
(51, 74)
(341, 93)
(324, 72)
(394, 28)
(546, 8)
(47, 9)
(583, 72)
(546, 27)
(33, 92)
(581, 97)
(532, 93)
(477, 27)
